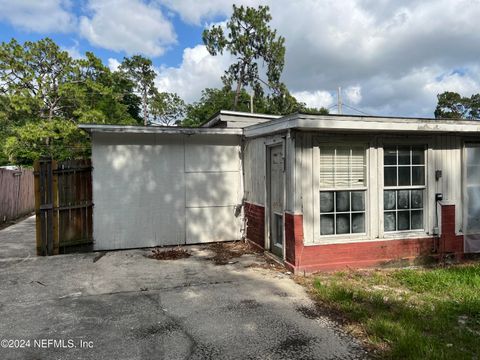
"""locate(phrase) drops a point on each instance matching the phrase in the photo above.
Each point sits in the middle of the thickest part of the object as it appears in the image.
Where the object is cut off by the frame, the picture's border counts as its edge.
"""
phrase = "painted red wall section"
(293, 237)
(450, 242)
(255, 215)
(300, 258)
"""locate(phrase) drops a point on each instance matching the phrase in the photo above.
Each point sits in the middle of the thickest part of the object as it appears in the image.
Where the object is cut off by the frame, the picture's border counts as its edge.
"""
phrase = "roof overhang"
(167, 130)
(227, 115)
(346, 123)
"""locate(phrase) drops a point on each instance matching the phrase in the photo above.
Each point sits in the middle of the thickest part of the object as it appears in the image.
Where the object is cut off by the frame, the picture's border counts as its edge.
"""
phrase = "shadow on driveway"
(127, 306)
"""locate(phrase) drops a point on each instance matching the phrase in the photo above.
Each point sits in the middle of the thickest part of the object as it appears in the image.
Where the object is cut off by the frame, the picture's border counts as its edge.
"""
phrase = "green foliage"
(40, 83)
(55, 138)
(166, 108)
(251, 41)
(452, 105)
(139, 70)
(214, 100)
(410, 313)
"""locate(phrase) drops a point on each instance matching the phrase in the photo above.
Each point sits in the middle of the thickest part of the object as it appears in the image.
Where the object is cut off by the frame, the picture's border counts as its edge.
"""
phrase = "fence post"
(56, 237)
(38, 214)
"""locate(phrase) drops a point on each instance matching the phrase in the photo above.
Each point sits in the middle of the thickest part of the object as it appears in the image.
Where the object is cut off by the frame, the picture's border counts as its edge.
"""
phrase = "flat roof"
(228, 114)
(359, 123)
(171, 130)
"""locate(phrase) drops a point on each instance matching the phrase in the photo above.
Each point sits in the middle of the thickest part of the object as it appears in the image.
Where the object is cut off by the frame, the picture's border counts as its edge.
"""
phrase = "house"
(319, 192)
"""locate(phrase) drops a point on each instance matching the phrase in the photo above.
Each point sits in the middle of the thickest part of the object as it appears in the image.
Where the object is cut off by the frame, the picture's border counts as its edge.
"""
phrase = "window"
(404, 188)
(342, 190)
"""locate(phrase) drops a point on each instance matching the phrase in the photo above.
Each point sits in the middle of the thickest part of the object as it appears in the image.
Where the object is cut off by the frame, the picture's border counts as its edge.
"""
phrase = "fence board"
(70, 200)
(17, 196)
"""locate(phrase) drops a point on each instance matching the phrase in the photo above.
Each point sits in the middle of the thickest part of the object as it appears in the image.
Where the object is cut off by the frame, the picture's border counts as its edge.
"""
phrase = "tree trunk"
(145, 108)
(239, 88)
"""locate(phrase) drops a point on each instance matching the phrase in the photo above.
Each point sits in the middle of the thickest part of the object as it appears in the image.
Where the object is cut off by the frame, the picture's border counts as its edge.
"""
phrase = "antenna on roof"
(339, 98)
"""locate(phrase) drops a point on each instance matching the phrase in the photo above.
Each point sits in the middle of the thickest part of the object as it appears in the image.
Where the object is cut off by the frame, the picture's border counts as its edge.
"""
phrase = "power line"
(355, 109)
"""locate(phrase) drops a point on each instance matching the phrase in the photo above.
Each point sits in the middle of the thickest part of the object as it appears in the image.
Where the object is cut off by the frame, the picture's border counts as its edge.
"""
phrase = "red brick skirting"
(300, 258)
(255, 216)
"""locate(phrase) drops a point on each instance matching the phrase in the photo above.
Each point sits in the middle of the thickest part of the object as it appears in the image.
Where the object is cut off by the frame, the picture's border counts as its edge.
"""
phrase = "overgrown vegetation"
(409, 313)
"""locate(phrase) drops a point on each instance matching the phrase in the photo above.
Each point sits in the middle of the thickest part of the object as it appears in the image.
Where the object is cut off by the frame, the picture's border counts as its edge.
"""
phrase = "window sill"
(364, 238)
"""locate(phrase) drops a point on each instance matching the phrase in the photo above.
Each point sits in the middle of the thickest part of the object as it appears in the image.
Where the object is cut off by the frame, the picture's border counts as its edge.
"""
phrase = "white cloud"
(39, 16)
(197, 71)
(113, 64)
(353, 94)
(74, 51)
(315, 98)
(127, 25)
(387, 55)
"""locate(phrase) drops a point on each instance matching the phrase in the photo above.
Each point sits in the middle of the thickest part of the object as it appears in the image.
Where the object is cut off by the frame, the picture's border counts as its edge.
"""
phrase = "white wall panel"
(140, 187)
(212, 189)
(212, 224)
(212, 153)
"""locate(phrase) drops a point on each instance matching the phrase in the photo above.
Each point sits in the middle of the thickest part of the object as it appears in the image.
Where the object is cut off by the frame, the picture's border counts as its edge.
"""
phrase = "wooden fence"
(17, 197)
(63, 198)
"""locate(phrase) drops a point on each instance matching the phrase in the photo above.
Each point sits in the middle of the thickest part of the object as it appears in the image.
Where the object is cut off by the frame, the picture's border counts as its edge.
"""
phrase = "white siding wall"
(254, 170)
(444, 153)
(151, 189)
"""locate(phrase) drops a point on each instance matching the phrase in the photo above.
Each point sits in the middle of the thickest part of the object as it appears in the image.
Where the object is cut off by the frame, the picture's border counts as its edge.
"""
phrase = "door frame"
(467, 142)
(269, 144)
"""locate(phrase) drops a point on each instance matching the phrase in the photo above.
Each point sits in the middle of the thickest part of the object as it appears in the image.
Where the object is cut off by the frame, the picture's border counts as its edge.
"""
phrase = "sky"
(389, 57)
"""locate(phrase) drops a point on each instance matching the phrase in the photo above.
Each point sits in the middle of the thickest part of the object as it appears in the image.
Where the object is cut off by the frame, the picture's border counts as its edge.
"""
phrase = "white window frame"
(429, 193)
(340, 141)
(398, 188)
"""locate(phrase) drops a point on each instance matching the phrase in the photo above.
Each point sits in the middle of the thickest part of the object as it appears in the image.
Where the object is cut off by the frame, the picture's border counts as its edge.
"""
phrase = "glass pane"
(418, 175)
(404, 220)
(327, 157)
(404, 156)
(389, 221)
(390, 156)
(343, 224)
(389, 200)
(343, 201)
(326, 201)
(342, 167)
(358, 223)
(473, 154)
(418, 157)
(417, 219)
(473, 174)
(358, 200)
(404, 176)
(417, 199)
(403, 201)
(390, 176)
(326, 224)
(278, 229)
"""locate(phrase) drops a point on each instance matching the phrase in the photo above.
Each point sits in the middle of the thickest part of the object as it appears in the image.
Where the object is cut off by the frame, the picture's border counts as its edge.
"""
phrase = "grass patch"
(409, 313)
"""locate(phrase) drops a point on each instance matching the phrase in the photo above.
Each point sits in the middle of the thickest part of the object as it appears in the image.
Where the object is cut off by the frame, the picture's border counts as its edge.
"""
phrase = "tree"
(214, 100)
(40, 83)
(452, 105)
(35, 72)
(140, 71)
(211, 102)
(250, 40)
(29, 142)
(166, 108)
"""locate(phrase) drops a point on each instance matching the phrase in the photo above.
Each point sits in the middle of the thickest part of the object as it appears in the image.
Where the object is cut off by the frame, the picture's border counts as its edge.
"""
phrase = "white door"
(275, 195)
(472, 198)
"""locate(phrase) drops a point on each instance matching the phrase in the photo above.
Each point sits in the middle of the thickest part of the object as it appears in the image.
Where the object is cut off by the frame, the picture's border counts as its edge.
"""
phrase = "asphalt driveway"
(127, 306)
